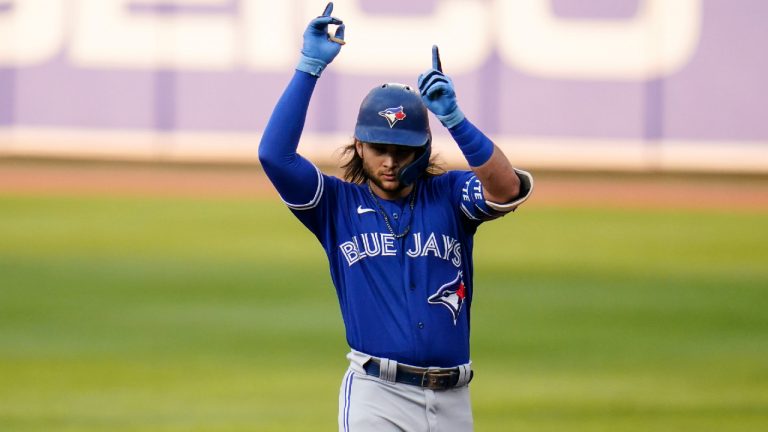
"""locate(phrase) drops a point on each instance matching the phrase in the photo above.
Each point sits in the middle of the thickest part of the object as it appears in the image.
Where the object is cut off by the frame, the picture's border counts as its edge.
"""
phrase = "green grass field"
(158, 314)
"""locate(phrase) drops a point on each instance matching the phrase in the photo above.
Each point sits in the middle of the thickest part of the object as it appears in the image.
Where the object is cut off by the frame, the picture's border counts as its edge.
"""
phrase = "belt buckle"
(431, 379)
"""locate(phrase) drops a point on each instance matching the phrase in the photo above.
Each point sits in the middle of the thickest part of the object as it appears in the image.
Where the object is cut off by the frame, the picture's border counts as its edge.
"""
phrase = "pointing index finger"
(328, 9)
(436, 64)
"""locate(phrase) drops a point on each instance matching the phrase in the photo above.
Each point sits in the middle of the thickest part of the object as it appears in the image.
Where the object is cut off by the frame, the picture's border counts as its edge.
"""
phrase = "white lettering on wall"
(660, 39)
(273, 33)
(384, 44)
(265, 35)
(31, 31)
(109, 34)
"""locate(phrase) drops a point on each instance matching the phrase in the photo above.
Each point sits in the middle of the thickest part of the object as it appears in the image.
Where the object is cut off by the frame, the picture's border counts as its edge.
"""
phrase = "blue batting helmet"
(395, 114)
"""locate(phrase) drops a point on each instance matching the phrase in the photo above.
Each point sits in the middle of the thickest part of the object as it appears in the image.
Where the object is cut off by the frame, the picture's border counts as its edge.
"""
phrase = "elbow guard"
(476, 207)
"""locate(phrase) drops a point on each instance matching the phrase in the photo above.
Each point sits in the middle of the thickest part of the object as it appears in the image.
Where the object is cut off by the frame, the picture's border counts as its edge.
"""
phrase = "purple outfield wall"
(588, 84)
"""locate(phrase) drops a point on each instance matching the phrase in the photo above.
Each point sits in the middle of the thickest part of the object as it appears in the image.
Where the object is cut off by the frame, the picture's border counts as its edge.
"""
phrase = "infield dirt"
(642, 190)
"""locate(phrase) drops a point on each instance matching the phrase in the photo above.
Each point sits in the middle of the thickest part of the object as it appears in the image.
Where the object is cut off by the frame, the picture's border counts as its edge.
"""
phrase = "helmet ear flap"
(409, 173)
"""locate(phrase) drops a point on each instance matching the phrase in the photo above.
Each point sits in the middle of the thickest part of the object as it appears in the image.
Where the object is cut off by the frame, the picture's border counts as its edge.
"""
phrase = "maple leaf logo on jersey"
(393, 115)
(451, 295)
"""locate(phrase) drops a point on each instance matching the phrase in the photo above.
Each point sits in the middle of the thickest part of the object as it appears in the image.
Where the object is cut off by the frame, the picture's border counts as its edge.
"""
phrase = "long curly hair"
(355, 173)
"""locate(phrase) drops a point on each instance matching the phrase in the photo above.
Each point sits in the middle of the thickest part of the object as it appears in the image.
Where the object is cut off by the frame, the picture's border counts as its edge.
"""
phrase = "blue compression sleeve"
(294, 177)
(477, 147)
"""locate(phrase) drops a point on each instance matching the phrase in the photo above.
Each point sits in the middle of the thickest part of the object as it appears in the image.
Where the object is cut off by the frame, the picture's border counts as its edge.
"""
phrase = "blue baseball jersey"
(405, 298)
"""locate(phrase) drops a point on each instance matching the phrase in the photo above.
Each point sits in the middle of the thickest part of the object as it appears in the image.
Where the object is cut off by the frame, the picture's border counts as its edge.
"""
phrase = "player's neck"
(390, 195)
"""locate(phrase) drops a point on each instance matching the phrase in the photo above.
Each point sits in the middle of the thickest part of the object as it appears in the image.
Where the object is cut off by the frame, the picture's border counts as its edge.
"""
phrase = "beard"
(389, 187)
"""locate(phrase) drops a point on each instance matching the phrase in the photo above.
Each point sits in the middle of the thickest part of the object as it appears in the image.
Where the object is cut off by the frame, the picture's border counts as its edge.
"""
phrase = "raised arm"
(294, 177)
(504, 187)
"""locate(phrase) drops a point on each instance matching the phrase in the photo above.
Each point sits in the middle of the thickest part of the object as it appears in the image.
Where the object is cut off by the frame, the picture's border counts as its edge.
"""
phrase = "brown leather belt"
(430, 378)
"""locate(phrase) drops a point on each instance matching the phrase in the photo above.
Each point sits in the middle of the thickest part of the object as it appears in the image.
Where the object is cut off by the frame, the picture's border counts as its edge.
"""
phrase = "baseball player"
(398, 233)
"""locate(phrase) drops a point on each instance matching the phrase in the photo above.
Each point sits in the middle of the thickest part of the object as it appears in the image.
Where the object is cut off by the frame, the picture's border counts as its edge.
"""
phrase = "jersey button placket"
(420, 325)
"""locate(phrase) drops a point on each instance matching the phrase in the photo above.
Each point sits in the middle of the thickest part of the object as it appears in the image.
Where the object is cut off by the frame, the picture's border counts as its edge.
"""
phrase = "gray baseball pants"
(368, 403)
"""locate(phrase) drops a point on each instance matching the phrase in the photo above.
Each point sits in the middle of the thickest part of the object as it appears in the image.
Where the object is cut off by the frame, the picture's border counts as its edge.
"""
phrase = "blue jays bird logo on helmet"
(451, 295)
(400, 99)
(393, 115)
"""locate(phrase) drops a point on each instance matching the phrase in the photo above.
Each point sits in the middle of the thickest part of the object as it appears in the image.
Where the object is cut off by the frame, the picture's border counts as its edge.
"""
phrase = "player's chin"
(389, 182)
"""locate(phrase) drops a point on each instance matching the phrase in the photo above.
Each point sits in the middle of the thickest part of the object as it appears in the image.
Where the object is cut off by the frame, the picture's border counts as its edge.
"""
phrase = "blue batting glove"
(319, 49)
(438, 93)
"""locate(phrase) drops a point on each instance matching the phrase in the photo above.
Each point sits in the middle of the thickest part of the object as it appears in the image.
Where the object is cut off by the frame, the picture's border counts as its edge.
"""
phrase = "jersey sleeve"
(317, 214)
(471, 199)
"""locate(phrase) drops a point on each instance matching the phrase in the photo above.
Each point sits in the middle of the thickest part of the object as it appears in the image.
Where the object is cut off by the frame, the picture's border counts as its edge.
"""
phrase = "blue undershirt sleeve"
(296, 179)
(477, 147)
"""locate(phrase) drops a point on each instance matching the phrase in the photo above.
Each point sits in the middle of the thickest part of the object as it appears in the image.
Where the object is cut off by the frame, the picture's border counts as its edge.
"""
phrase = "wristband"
(311, 65)
(452, 119)
(476, 147)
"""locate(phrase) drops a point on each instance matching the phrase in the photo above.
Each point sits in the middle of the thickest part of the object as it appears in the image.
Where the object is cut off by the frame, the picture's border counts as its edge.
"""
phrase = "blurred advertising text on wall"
(594, 84)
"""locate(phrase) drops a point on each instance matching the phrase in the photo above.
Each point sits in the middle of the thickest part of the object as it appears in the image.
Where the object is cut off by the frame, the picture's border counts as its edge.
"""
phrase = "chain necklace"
(384, 213)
